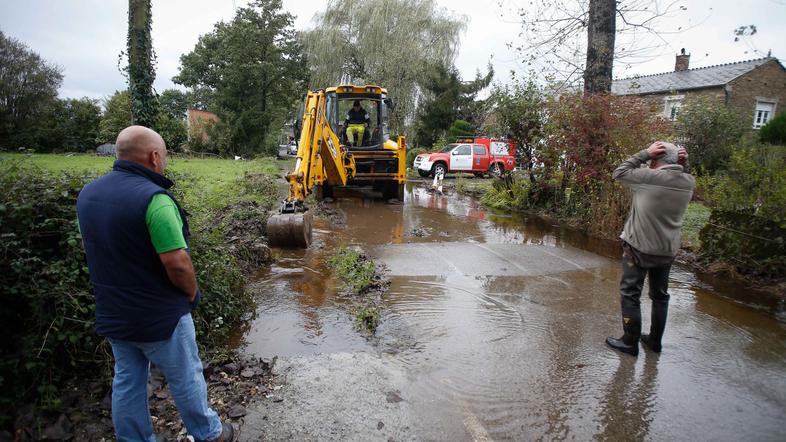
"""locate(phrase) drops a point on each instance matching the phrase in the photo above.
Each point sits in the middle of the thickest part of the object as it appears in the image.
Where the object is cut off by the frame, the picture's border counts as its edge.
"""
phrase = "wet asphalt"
(493, 329)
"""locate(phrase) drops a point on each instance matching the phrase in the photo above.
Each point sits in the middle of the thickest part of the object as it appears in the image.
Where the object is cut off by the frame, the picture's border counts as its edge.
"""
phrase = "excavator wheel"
(291, 230)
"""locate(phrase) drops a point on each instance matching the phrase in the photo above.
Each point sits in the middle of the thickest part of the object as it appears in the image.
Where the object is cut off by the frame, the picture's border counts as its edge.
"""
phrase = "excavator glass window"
(373, 136)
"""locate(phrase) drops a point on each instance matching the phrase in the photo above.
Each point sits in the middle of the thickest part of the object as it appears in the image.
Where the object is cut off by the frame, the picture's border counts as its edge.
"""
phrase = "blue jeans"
(178, 359)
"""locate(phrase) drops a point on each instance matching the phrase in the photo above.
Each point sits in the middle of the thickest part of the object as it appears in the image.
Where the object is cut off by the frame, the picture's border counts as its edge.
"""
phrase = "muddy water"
(496, 326)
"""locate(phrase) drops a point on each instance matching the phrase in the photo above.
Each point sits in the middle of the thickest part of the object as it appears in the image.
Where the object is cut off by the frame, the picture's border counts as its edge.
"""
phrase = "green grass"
(353, 269)
(695, 218)
(211, 181)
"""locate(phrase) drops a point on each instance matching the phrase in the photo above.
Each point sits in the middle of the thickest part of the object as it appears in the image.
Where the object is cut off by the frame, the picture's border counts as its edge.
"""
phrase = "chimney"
(683, 61)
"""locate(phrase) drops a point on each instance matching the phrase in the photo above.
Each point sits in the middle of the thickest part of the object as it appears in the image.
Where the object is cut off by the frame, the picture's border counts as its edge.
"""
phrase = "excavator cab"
(326, 161)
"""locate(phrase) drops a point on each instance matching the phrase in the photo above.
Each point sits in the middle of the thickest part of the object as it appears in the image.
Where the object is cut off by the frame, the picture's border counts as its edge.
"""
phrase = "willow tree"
(141, 70)
(387, 42)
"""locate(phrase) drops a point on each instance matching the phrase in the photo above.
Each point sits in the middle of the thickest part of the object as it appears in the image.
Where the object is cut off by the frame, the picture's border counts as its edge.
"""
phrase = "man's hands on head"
(180, 271)
(682, 156)
(656, 149)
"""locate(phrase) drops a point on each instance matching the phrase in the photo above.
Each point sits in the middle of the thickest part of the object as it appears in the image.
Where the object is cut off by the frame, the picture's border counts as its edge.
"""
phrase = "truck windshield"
(448, 148)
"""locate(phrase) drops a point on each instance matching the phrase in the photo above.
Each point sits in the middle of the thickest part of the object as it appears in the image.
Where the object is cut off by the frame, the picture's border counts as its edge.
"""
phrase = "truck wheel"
(495, 170)
(401, 192)
(423, 173)
(439, 168)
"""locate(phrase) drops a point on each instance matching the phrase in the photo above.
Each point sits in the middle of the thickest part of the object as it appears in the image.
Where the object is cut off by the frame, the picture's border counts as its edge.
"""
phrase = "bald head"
(142, 145)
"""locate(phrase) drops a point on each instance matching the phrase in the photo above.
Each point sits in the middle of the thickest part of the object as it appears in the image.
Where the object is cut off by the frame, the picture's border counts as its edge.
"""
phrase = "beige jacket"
(660, 197)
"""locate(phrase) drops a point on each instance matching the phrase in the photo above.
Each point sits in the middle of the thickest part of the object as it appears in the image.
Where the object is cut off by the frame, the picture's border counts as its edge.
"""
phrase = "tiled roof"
(697, 78)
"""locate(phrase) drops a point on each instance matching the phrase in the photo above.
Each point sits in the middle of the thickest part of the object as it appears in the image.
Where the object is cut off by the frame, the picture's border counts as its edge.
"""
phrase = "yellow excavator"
(329, 158)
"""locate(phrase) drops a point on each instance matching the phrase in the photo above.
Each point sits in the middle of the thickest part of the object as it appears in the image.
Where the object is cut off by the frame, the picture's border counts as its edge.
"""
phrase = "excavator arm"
(320, 158)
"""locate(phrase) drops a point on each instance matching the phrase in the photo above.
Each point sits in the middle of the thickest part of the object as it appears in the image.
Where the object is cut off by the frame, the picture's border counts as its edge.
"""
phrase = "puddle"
(497, 322)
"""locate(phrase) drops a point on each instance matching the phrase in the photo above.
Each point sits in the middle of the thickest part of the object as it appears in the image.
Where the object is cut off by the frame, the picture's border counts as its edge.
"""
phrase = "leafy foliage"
(774, 132)
(353, 269)
(449, 99)
(520, 116)
(117, 116)
(392, 43)
(28, 89)
(754, 184)
(48, 313)
(585, 138)
(709, 130)
(255, 71)
(73, 125)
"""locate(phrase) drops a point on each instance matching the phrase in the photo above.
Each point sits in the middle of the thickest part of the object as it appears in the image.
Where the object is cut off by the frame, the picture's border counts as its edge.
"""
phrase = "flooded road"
(493, 329)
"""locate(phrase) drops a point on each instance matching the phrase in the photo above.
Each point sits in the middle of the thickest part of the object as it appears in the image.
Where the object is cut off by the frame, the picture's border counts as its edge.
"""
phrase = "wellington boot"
(624, 345)
(649, 342)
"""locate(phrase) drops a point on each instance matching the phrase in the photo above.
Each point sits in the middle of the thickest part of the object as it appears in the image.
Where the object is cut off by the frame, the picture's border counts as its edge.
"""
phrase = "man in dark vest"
(650, 238)
(135, 235)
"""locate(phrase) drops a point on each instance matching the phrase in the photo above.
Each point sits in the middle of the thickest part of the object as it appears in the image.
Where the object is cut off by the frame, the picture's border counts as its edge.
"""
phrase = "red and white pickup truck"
(473, 155)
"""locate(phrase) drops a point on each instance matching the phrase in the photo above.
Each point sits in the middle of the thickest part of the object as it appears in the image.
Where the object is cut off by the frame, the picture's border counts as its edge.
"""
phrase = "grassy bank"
(48, 314)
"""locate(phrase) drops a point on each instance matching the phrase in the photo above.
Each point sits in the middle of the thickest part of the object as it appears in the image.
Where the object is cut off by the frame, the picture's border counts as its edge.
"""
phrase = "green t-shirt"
(164, 224)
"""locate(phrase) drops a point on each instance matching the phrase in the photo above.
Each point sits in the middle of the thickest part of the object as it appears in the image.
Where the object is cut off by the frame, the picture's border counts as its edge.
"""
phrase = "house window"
(672, 106)
(763, 114)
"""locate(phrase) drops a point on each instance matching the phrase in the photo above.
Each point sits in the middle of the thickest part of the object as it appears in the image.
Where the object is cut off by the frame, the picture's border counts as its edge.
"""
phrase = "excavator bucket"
(292, 230)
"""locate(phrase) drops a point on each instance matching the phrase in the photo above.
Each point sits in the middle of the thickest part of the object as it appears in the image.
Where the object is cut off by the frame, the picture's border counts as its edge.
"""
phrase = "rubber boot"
(660, 311)
(631, 324)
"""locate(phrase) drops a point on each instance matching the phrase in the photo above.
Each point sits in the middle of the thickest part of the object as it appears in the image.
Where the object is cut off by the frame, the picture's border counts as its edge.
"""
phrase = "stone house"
(755, 88)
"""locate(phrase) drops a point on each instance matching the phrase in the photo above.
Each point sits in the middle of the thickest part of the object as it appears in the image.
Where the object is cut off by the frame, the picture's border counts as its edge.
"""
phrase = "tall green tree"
(387, 42)
(117, 116)
(71, 125)
(28, 89)
(141, 63)
(255, 71)
(448, 99)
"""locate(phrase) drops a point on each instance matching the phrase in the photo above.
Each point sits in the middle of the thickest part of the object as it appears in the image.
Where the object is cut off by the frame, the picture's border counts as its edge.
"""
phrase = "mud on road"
(493, 329)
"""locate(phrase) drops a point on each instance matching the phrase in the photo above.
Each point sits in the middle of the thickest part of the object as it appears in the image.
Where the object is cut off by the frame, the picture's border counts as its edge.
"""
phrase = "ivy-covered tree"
(448, 99)
(141, 63)
(28, 89)
(254, 68)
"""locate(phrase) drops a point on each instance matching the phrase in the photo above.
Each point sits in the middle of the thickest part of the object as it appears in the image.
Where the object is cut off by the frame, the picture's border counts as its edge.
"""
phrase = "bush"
(754, 184)
(48, 310)
(747, 227)
(709, 130)
(587, 137)
(774, 132)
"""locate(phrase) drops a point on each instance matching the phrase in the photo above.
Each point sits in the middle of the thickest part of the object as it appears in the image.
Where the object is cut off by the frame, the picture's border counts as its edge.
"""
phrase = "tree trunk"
(601, 32)
(141, 72)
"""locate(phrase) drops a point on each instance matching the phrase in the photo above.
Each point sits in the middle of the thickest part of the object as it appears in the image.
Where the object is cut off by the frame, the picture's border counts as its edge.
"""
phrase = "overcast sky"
(84, 37)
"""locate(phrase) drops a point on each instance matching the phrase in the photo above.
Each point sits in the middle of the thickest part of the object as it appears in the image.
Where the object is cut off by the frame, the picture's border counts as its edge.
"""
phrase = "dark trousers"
(631, 284)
